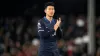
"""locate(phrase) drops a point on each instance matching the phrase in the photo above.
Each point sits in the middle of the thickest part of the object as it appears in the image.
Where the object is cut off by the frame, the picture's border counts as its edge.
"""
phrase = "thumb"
(59, 19)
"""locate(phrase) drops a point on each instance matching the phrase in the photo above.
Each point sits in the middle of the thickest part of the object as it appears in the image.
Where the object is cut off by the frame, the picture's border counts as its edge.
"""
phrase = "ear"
(45, 10)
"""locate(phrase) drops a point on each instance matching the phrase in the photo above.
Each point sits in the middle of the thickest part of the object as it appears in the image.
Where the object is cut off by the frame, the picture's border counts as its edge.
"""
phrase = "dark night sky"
(35, 7)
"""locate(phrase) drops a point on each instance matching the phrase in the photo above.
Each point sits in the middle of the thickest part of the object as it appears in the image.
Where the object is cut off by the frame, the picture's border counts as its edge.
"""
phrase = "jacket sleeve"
(43, 31)
(59, 33)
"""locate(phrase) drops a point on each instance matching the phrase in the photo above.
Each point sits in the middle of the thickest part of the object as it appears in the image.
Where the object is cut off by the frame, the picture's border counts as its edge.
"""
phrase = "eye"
(49, 8)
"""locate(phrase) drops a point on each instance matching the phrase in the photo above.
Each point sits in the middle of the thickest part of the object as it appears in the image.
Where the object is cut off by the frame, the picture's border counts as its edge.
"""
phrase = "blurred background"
(80, 27)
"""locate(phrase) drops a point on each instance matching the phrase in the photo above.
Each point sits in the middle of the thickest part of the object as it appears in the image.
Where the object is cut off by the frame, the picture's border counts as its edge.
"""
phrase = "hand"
(57, 24)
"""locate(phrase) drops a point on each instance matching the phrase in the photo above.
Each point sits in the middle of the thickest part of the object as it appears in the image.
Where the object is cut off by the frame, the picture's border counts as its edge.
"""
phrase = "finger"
(59, 19)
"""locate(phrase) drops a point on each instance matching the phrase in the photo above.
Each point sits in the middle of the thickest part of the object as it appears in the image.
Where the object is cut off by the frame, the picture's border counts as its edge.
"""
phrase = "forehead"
(50, 6)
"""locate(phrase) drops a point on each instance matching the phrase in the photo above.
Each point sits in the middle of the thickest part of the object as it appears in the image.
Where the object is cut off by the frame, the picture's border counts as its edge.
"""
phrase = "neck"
(49, 18)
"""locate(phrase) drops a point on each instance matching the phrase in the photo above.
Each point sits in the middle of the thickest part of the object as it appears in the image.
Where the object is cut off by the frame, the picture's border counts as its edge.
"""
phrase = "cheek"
(54, 11)
(47, 11)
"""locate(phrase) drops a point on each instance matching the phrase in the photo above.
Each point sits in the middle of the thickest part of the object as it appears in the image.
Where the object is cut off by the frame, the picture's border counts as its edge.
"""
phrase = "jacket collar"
(48, 20)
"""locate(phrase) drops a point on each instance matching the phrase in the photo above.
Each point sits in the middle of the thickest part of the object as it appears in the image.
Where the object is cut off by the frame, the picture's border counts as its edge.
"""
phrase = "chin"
(51, 16)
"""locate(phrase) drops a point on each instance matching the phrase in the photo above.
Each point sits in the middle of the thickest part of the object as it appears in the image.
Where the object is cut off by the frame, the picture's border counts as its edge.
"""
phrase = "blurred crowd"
(18, 36)
(97, 36)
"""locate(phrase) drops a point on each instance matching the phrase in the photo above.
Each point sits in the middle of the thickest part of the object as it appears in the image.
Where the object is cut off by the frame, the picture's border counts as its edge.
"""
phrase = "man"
(48, 28)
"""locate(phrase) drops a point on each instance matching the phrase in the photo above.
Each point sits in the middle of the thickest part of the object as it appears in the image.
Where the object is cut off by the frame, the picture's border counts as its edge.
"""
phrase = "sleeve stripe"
(39, 27)
(54, 34)
(40, 30)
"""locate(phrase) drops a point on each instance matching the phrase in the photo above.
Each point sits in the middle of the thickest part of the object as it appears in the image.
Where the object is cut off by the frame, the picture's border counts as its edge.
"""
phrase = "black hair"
(48, 4)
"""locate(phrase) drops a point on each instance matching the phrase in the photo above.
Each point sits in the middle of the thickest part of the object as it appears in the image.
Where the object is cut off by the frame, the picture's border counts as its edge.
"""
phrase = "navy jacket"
(48, 36)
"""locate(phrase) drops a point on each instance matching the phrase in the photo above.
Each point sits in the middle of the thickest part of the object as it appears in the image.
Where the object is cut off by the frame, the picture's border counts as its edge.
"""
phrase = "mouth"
(51, 14)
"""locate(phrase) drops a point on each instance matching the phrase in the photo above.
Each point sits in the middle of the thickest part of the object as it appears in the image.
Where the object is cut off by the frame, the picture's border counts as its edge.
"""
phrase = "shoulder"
(55, 20)
(40, 21)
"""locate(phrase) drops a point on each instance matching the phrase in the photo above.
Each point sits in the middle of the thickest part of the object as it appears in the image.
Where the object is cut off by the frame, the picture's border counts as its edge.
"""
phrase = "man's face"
(50, 11)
